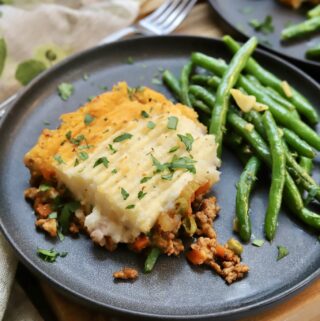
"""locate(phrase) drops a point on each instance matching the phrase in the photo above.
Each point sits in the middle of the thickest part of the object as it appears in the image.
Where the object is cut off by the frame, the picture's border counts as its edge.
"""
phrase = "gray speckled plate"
(237, 15)
(174, 289)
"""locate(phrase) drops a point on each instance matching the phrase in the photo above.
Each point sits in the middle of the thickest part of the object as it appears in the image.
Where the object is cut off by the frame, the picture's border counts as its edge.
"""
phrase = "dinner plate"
(174, 289)
(238, 14)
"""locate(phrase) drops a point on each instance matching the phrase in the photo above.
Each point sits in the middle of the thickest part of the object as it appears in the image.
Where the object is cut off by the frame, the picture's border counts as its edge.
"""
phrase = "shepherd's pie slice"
(132, 157)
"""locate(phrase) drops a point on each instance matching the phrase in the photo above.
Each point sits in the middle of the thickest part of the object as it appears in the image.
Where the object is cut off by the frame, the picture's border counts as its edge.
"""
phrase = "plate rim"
(77, 296)
(308, 63)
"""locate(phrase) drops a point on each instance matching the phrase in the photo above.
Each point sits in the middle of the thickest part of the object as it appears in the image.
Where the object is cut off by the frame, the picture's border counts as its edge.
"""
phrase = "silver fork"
(162, 21)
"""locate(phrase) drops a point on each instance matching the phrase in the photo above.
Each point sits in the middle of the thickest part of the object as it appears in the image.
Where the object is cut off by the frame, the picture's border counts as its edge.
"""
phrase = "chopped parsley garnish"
(159, 167)
(122, 137)
(257, 242)
(131, 206)
(114, 171)
(85, 147)
(103, 87)
(156, 81)
(282, 252)
(90, 98)
(173, 149)
(132, 91)
(88, 119)
(151, 125)
(265, 26)
(144, 114)
(44, 187)
(46, 123)
(141, 195)
(85, 76)
(75, 141)
(68, 134)
(83, 155)
(124, 193)
(130, 60)
(53, 215)
(101, 160)
(187, 140)
(67, 211)
(58, 159)
(112, 149)
(172, 122)
(167, 177)
(50, 255)
(182, 163)
(65, 90)
(145, 179)
(76, 162)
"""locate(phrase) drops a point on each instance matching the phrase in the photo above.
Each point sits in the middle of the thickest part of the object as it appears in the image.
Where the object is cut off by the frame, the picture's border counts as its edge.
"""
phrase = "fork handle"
(118, 35)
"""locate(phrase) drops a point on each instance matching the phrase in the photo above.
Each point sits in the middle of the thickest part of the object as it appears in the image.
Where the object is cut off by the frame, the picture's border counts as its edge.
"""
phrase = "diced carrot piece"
(220, 250)
(43, 210)
(202, 189)
(196, 257)
(140, 243)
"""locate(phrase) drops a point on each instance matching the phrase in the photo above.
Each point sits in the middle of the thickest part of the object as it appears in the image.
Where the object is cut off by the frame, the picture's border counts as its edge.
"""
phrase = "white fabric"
(8, 264)
(70, 26)
(28, 27)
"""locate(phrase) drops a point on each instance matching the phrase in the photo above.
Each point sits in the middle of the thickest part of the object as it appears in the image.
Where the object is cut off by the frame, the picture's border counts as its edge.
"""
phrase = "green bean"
(310, 218)
(244, 188)
(291, 193)
(278, 175)
(151, 259)
(301, 175)
(234, 142)
(256, 119)
(314, 12)
(185, 74)
(205, 80)
(203, 94)
(307, 164)
(313, 52)
(302, 29)
(273, 94)
(172, 83)
(199, 104)
(281, 100)
(254, 139)
(299, 145)
(229, 79)
(266, 78)
(280, 114)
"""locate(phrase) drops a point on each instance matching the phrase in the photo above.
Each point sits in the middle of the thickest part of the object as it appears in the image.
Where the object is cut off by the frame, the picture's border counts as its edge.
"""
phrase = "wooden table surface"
(304, 306)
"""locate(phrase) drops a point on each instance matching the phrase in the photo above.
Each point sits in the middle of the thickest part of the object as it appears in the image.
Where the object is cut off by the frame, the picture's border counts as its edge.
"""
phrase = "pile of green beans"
(277, 137)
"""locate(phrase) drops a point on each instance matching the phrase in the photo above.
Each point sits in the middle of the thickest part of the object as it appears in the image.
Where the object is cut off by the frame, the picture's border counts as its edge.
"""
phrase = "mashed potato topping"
(131, 156)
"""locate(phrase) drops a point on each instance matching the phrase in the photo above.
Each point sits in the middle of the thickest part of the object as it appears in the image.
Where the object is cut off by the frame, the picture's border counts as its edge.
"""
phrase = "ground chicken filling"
(57, 214)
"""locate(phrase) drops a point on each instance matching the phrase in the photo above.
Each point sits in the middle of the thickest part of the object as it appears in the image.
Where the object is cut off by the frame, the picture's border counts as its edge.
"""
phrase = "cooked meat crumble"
(204, 251)
(126, 274)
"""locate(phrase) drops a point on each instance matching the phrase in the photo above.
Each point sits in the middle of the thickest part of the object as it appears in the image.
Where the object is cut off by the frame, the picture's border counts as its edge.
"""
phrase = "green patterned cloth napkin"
(35, 34)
